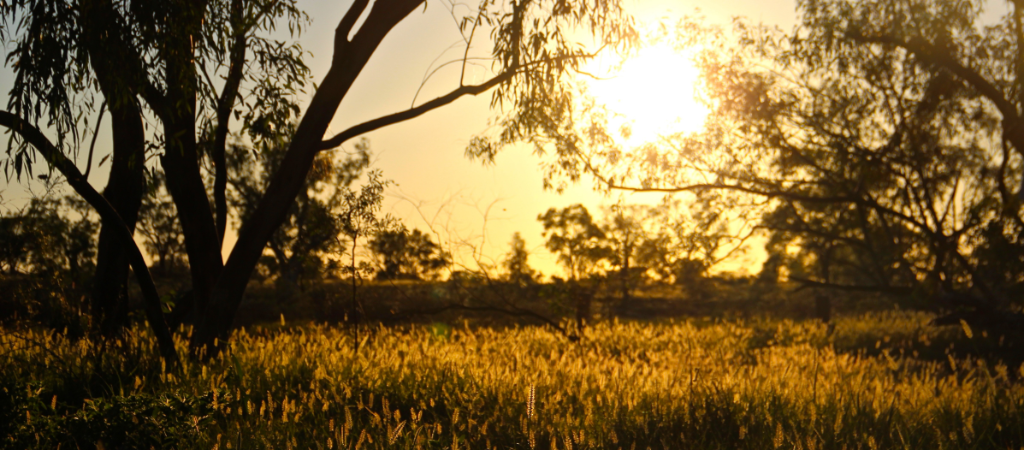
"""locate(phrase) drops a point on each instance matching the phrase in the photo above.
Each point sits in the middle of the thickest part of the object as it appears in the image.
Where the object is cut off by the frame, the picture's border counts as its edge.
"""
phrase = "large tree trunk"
(181, 160)
(350, 56)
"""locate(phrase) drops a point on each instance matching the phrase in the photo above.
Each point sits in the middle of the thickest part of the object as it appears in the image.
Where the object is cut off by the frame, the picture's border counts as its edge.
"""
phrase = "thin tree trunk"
(126, 184)
(584, 298)
(823, 299)
(124, 191)
(356, 308)
(626, 256)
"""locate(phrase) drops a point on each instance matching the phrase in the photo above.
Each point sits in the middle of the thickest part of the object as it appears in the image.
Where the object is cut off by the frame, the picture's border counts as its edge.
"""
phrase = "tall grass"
(675, 385)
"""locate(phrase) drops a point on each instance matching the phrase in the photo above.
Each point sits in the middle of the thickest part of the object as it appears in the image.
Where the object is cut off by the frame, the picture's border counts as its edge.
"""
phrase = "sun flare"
(654, 93)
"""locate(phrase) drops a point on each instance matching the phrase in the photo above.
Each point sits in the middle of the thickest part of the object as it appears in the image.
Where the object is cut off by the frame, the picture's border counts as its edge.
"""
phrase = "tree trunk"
(823, 306)
(350, 56)
(583, 296)
(627, 254)
(356, 309)
(124, 191)
(181, 164)
(126, 184)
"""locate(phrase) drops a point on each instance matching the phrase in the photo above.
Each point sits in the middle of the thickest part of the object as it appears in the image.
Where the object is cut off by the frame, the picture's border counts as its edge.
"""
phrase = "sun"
(654, 94)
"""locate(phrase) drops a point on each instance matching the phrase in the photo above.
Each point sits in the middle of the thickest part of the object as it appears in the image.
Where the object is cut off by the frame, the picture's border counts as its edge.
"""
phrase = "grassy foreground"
(881, 381)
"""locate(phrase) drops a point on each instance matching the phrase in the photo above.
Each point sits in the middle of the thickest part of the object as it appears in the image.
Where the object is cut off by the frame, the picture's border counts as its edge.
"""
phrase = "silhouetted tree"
(682, 243)
(625, 235)
(47, 250)
(581, 248)
(882, 139)
(164, 54)
(159, 57)
(408, 255)
(39, 240)
(516, 264)
(358, 219)
(309, 234)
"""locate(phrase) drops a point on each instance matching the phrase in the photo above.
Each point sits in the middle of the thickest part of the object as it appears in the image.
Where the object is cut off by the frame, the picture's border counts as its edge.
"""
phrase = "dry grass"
(720, 384)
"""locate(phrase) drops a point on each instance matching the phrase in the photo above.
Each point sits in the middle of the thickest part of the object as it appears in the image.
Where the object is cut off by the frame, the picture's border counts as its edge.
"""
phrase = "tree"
(898, 169)
(516, 264)
(302, 244)
(163, 67)
(579, 243)
(38, 240)
(882, 138)
(581, 248)
(408, 255)
(625, 235)
(46, 260)
(138, 61)
(357, 219)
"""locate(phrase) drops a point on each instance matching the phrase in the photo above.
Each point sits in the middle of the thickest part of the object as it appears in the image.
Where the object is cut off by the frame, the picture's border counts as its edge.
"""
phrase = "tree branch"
(95, 134)
(56, 159)
(932, 55)
(734, 187)
(416, 111)
(225, 104)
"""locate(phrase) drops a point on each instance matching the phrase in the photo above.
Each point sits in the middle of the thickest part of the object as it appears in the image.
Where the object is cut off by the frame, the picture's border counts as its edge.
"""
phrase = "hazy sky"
(438, 188)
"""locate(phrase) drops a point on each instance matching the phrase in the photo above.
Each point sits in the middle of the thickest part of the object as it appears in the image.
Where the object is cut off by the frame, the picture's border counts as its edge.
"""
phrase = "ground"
(882, 380)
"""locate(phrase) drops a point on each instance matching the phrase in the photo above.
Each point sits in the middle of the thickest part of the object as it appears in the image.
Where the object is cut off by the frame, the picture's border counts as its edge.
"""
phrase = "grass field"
(878, 381)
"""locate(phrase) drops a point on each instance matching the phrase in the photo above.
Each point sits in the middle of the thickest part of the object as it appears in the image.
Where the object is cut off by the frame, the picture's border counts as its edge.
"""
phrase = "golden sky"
(438, 188)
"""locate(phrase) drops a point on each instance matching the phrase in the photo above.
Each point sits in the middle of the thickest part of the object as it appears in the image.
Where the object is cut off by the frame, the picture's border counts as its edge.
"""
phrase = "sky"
(437, 189)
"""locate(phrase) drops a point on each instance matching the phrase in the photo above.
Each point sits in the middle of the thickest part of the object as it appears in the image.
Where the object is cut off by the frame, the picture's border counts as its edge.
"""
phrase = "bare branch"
(430, 72)
(414, 112)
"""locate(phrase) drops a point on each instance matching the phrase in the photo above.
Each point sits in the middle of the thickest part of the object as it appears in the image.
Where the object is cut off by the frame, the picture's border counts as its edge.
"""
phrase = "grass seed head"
(530, 399)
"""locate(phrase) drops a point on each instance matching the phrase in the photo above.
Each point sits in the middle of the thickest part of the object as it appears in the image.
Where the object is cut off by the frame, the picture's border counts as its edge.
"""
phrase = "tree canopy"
(162, 59)
(882, 139)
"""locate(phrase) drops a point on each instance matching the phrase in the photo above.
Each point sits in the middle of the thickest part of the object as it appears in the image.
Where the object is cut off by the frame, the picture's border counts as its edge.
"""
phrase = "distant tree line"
(630, 246)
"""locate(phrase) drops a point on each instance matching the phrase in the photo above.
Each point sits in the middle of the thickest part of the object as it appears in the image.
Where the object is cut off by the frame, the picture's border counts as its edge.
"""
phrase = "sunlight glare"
(655, 94)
